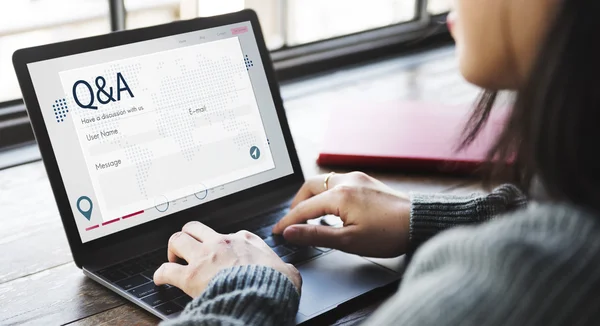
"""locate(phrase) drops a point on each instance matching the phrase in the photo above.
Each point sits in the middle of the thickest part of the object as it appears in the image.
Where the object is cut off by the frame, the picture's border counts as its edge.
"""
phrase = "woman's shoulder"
(546, 218)
(540, 221)
(536, 266)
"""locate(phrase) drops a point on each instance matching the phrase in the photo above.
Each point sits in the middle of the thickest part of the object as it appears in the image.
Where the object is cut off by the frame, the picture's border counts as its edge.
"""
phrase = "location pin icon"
(85, 211)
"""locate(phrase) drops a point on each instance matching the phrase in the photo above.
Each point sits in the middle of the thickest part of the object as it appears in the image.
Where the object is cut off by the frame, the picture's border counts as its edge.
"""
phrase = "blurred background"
(306, 38)
(286, 23)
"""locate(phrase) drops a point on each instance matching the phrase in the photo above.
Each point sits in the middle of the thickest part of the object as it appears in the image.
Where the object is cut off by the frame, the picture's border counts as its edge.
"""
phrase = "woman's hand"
(376, 218)
(207, 252)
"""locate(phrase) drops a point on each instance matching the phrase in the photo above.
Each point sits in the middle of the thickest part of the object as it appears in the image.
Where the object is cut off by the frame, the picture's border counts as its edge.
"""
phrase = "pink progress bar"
(93, 227)
(111, 221)
(132, 214)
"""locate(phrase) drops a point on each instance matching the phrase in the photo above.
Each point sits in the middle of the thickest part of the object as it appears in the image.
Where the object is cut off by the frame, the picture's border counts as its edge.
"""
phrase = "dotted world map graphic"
(204, 81)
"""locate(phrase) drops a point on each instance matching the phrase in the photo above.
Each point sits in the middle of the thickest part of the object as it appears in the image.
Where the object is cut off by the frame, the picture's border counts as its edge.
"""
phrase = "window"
(302, 34)
(142, 13)
(436, 7)
(25, 23)
(315, 20)
(285, 22)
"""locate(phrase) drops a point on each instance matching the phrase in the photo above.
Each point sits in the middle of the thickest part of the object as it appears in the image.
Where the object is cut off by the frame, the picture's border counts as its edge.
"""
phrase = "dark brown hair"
(555, 119)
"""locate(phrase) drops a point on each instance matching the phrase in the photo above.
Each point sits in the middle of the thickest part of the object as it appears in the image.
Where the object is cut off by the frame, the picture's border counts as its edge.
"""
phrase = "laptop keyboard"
(135, 276)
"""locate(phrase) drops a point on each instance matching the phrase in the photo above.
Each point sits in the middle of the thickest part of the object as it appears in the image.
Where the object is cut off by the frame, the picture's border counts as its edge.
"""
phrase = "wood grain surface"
(40, 285)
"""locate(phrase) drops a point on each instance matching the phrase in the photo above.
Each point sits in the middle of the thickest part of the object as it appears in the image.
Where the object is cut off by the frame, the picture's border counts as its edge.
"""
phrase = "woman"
(538, 264)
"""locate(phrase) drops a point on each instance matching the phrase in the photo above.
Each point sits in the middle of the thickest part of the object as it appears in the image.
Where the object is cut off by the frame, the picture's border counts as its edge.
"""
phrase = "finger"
(315, 186)
(247, 235)
(182, 245)
(317, 206)
(402, 195)
(170, 273)
(200, 231)
(307, 190)
(317, 235)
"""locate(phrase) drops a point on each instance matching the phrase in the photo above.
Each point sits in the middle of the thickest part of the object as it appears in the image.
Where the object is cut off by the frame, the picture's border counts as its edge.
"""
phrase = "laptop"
(142, 131)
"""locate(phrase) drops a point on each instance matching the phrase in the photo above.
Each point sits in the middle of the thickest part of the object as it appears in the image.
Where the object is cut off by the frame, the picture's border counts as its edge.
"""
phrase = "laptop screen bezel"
(23, 57)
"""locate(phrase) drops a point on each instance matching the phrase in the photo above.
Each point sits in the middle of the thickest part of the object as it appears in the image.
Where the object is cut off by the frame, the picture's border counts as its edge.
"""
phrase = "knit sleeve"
(536, 266)
(433, 213)
(243, 295)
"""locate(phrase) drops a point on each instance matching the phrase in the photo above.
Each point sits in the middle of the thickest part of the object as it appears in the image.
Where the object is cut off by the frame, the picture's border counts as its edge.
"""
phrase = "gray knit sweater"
(535, 265)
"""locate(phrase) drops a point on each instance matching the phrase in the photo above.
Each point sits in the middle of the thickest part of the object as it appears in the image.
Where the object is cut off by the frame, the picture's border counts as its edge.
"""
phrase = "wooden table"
(40, 285)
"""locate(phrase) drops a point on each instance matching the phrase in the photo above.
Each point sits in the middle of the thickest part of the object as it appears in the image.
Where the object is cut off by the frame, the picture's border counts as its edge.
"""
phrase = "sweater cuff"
(252, 294)
(433, 213)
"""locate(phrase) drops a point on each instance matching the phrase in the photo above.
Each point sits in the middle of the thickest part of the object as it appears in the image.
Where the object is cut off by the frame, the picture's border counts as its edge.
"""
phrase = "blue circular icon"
(202, 193)
(162, 207)
(255, 152)
(161, 204)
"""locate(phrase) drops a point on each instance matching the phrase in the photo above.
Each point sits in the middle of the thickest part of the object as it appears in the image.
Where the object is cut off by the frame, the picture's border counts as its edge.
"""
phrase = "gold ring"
(326, 182)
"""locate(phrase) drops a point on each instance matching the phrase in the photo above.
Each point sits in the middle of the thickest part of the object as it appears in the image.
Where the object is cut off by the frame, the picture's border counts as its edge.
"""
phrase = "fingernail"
(158, 270)
(175, 235)
(290, 231)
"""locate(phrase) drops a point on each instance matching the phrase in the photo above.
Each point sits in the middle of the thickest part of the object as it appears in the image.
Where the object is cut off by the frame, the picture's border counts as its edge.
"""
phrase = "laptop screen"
(147, 129)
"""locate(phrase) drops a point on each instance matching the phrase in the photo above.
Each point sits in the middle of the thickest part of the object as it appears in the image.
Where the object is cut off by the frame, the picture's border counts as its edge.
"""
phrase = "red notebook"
(405, 136)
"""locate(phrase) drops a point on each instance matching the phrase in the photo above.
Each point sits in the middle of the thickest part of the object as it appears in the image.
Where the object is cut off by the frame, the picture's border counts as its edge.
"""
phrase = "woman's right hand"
(376, 218)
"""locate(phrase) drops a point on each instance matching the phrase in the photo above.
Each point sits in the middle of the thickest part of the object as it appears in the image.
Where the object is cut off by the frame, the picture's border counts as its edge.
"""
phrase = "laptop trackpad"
(337, 278)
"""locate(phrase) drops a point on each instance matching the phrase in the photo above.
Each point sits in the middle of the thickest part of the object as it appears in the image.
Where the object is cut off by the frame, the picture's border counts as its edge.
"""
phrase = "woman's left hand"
(208, 252)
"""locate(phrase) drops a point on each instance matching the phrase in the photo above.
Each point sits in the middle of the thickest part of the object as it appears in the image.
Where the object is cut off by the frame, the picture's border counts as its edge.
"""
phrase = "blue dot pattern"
(217, 95)
(134, 153)
(61, 109)
(248, 62)
(143, 160)
(137, 154)
(130, 73)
